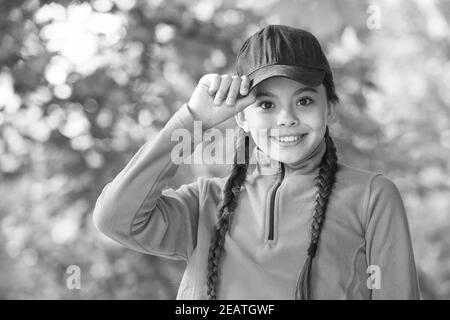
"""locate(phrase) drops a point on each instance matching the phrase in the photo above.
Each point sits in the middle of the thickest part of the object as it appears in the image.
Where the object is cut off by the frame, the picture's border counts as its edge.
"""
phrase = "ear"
(331, 112)
(241, 121)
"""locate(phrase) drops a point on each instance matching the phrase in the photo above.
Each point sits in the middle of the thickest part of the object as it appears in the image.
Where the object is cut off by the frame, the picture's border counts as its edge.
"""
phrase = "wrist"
(205, 126)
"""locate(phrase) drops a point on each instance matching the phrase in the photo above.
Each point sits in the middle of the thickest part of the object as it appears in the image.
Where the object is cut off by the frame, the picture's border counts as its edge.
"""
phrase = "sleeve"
(390, 257)
(134, 210)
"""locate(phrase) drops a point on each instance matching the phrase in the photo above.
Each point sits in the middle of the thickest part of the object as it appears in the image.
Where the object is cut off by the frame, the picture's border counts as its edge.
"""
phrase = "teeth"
(289, 138)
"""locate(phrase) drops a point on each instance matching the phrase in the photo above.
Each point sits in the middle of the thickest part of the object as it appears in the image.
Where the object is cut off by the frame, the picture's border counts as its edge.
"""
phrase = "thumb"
(245, 102)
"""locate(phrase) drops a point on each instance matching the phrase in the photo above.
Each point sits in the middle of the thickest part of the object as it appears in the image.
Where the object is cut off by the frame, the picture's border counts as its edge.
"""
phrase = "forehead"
(282, 85)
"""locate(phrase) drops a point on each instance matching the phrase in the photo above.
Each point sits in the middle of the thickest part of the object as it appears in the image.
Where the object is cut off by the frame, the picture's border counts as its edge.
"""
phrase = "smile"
(289, 140)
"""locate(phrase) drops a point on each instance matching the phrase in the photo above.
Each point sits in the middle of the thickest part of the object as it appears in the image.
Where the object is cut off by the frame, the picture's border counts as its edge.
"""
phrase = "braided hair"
(324, 183)
(230, 199)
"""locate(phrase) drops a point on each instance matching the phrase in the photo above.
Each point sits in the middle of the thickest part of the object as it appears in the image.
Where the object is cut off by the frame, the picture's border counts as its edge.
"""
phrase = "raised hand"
(219, 97)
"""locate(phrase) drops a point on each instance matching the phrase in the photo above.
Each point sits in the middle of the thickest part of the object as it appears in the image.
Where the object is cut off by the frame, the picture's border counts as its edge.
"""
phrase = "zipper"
(272, 204)
(271, 221)
(296, 283)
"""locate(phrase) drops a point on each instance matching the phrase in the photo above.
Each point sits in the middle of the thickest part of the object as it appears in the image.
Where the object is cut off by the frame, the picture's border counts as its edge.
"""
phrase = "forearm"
(120, 207)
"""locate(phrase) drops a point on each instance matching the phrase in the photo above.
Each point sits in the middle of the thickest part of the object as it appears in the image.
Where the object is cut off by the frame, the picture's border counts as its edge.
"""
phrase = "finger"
(245, 102)
(222, 92)
(234, 90)
(245, 84)
(214, 84)
(206, 80)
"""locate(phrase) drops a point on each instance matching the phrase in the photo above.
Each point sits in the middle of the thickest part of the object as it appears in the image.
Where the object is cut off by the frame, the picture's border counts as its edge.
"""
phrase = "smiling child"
(301, 225)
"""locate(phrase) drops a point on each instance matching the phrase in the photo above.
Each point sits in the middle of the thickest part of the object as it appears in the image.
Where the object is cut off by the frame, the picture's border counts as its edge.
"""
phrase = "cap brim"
(305, 75)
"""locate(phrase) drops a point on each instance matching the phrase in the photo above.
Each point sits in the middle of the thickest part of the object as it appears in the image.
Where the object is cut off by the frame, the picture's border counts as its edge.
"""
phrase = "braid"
(229, 204)
(324, 184)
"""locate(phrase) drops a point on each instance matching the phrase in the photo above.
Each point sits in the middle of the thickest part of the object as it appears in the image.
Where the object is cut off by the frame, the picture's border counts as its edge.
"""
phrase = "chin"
(289, 159)
(289, 155)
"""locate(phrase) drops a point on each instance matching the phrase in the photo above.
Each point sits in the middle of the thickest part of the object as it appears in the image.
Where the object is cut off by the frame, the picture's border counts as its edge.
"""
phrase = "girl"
(301, 225)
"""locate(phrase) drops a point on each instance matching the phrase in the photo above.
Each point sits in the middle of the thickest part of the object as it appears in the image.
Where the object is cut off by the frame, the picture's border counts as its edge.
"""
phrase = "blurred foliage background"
(84, 84)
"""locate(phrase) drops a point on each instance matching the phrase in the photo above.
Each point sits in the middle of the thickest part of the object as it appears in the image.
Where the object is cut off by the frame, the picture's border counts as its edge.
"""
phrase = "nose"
(287, 119)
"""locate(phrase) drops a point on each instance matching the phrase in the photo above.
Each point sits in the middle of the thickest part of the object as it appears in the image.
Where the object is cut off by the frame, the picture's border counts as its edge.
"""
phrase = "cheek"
(259, 128)
(258, 121)
(317, 122)
(315, 119)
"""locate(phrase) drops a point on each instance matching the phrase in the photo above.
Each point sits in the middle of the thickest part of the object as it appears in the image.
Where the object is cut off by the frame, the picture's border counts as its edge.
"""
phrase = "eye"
(265, 105)
(304, 101)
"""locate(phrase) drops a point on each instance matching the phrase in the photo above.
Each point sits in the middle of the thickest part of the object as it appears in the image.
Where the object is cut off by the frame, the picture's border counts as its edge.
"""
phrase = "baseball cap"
(280, 50)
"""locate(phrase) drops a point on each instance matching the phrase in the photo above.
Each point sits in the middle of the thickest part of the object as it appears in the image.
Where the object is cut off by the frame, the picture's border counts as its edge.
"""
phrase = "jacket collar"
(306, 166)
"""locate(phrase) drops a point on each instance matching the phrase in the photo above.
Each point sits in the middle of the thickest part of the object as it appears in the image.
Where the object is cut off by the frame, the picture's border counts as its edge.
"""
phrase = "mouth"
(289, 140)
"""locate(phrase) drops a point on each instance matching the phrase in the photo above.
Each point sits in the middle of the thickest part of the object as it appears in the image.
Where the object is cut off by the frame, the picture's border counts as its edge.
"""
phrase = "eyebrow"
(298, 91)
